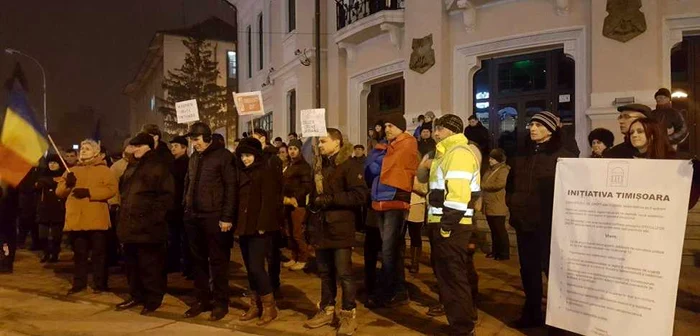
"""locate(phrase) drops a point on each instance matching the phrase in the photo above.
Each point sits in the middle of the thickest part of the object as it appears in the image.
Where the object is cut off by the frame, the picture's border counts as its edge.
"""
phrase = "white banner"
(249, 103)
(187, 111)
(617, 241)
(313, 123)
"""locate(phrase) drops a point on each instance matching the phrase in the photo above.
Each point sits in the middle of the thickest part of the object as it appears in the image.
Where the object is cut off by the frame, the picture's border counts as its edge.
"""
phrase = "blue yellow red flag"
(22, 139)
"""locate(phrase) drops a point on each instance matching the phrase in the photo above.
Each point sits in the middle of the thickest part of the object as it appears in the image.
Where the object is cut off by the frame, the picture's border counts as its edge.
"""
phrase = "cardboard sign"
(187, 111)
(249, 103)
(313, 123)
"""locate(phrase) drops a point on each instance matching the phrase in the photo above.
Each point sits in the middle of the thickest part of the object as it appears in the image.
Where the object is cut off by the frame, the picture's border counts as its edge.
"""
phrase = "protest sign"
(187, 111)
(249, 103)
(617, 239)
(313, 123)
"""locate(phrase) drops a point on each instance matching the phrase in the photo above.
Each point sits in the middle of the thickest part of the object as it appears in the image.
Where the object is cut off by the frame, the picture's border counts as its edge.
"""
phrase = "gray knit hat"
(547, 119)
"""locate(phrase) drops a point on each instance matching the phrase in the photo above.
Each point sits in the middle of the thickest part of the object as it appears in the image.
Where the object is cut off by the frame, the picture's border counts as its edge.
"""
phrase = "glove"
(71, 180)
(81, 193)
(323, 201)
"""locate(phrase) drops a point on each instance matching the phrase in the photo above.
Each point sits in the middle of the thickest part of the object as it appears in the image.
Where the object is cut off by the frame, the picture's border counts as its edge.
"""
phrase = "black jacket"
(625, 150)
(672, 119)
(146, 195)
(298, 181)
(179, 171)
(531, 199)
(334, 227)
(257, 193)
(426, 146)
(274, 164)
(164, 153)
(479, 135)
(9, 200)
(210, 184)
(51, 208)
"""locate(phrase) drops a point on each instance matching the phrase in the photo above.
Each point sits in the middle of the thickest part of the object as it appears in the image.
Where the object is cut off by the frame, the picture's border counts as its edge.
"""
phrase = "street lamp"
(11, 51)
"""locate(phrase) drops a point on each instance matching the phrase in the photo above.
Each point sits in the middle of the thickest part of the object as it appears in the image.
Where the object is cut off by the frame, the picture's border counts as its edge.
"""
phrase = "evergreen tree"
(196, 79)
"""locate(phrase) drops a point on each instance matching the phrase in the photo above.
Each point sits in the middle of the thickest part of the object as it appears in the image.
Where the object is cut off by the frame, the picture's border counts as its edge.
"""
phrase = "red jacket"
(400, 163)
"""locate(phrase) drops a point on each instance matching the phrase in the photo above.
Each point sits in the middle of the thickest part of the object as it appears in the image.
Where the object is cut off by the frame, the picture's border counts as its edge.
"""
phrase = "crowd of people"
(159, 209)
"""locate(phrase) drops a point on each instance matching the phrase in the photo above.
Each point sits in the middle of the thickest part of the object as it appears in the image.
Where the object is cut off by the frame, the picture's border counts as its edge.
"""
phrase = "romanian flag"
(22, 139)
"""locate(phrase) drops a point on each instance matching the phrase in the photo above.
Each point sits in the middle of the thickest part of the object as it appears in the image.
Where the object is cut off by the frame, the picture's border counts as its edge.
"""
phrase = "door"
(509, 119)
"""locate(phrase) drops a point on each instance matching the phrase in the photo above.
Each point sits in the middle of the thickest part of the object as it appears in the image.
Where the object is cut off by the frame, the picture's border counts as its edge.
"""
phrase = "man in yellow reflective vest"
(454, 185)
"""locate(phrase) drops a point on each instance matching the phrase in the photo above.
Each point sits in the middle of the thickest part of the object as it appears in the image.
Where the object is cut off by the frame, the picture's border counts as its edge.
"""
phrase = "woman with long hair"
(650, 140)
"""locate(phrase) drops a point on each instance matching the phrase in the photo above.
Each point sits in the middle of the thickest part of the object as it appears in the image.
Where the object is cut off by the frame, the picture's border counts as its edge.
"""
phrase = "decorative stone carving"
(395, 35)
(625, 20)
(562, 7)
(467, 9)
(423, 55)
(349, 50)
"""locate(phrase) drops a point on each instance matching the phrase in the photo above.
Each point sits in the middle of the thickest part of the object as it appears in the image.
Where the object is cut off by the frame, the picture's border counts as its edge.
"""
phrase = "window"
(153, 102)
(261, 54)
(291, 15)
(292, 103)
(264, 122)
(249, 38)
(231, 61)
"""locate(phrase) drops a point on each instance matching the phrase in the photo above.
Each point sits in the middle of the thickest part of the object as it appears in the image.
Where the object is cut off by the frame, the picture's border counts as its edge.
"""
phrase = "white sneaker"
(289, 263)
(299, 266)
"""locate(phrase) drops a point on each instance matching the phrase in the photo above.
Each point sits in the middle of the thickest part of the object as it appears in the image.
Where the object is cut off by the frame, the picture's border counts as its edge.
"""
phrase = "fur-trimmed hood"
(344, 154)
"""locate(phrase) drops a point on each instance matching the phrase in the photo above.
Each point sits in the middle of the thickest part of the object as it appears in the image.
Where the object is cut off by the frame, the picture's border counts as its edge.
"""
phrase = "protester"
(283, 154)
(379, 134)
(419, 127)
(9, 200)
(51, 213)
(278, 142)
(454, 186)
(628, 114)
(161, 147)
(531, 210)
(210, 192)
(298, 184)
(147, 190)
(672, 120)
(28, 200)
(292, 136)
(256, 226)
(478, 133)
(414, 223)
(178, 250)
(428, 122)
(71, 158)
(372, 139)
(274, 257)
(218, 139)
(87, 188)
(426, 143)
(493, 185)
(358, 154)
(600, 140)
(332, 230)
(649, 138)
(392, 169)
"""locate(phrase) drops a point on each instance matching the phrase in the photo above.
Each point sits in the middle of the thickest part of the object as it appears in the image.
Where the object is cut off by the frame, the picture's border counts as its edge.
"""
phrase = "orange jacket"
(400, 163)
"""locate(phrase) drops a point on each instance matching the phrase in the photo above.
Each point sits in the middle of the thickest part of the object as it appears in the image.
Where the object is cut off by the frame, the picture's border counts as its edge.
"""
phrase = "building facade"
(165, 53)
(503, 60)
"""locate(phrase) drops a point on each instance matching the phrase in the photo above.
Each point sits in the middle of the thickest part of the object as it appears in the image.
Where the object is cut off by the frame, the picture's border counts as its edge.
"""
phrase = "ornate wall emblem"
(423, 55)
(625, 20)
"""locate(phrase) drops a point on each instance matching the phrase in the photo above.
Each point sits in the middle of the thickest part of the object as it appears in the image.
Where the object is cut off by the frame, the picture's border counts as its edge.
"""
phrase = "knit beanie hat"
(663, 92)
(295, 143)
(451, 122)
(249, 146)
(396, 120)
(603, 135)
(547, 119)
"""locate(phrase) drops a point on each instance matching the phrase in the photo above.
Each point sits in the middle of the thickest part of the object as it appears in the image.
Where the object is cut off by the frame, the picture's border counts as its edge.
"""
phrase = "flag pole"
(58, 152)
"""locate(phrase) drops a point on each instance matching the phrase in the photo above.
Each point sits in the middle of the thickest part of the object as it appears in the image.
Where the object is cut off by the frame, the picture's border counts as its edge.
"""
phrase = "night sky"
(90, 51)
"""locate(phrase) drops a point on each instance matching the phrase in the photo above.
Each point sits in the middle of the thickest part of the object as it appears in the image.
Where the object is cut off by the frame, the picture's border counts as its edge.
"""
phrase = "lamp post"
(11, 51)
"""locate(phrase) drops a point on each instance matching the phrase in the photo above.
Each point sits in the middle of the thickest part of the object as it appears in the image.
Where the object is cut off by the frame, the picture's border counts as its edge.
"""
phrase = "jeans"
(336, 265)
(254, 250)
(145, 264)
(211, 252)
(83, 243)
(391, 229)
(499, 236)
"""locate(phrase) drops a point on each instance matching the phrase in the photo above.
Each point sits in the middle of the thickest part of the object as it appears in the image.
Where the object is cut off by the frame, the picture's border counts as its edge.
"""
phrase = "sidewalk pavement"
(500, 299)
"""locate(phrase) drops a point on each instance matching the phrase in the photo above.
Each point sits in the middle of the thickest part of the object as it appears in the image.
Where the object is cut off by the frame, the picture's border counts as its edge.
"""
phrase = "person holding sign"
(650, 140)
(628, 114)
(531, 210)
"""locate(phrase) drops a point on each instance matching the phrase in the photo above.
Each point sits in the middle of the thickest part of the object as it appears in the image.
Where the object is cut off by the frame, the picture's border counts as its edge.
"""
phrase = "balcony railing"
(351, 11)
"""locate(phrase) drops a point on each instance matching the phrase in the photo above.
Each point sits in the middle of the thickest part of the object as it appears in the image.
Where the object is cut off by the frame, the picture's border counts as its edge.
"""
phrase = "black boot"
(415, 259)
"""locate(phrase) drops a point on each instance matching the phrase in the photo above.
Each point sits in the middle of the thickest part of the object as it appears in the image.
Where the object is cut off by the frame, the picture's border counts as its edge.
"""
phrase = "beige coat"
(493, 186)
(417, 212)
(89, 213)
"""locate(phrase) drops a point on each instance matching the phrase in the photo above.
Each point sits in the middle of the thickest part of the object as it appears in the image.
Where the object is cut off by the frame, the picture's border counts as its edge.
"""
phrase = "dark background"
(90, 50)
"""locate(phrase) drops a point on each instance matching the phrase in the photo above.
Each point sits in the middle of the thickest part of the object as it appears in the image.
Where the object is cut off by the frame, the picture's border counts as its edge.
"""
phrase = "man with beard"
(146, 193)
(210, 192)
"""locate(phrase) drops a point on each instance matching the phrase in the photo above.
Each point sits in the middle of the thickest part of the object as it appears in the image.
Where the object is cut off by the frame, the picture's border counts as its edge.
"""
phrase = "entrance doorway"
(385, 99)
(685, 86)
(508, 91)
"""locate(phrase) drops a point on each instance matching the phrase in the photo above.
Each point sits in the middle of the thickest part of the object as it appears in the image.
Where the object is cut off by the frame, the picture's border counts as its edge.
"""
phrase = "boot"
(269, 309)
(348, 323)
(254, 309)
(324, 317)
(415, 259)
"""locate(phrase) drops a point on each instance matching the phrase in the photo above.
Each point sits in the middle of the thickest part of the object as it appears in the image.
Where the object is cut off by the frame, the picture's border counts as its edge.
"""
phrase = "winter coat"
(118, 168)
(334, 227)
(164, 153)
(28, 195)
(275, 166)
(478, 134)
(147, 195)
(624, 150)
(417, 212)
(672, 120)
(493, 187)
(532, 198)
(9, 200)
(210, 184)
(257, 193)
(426, 146)
(179, 171)
(90, 213)
(51, 208)
(298, 181)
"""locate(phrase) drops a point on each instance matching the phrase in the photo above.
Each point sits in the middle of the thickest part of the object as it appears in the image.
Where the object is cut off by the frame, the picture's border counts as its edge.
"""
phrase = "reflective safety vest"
(455, 175)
